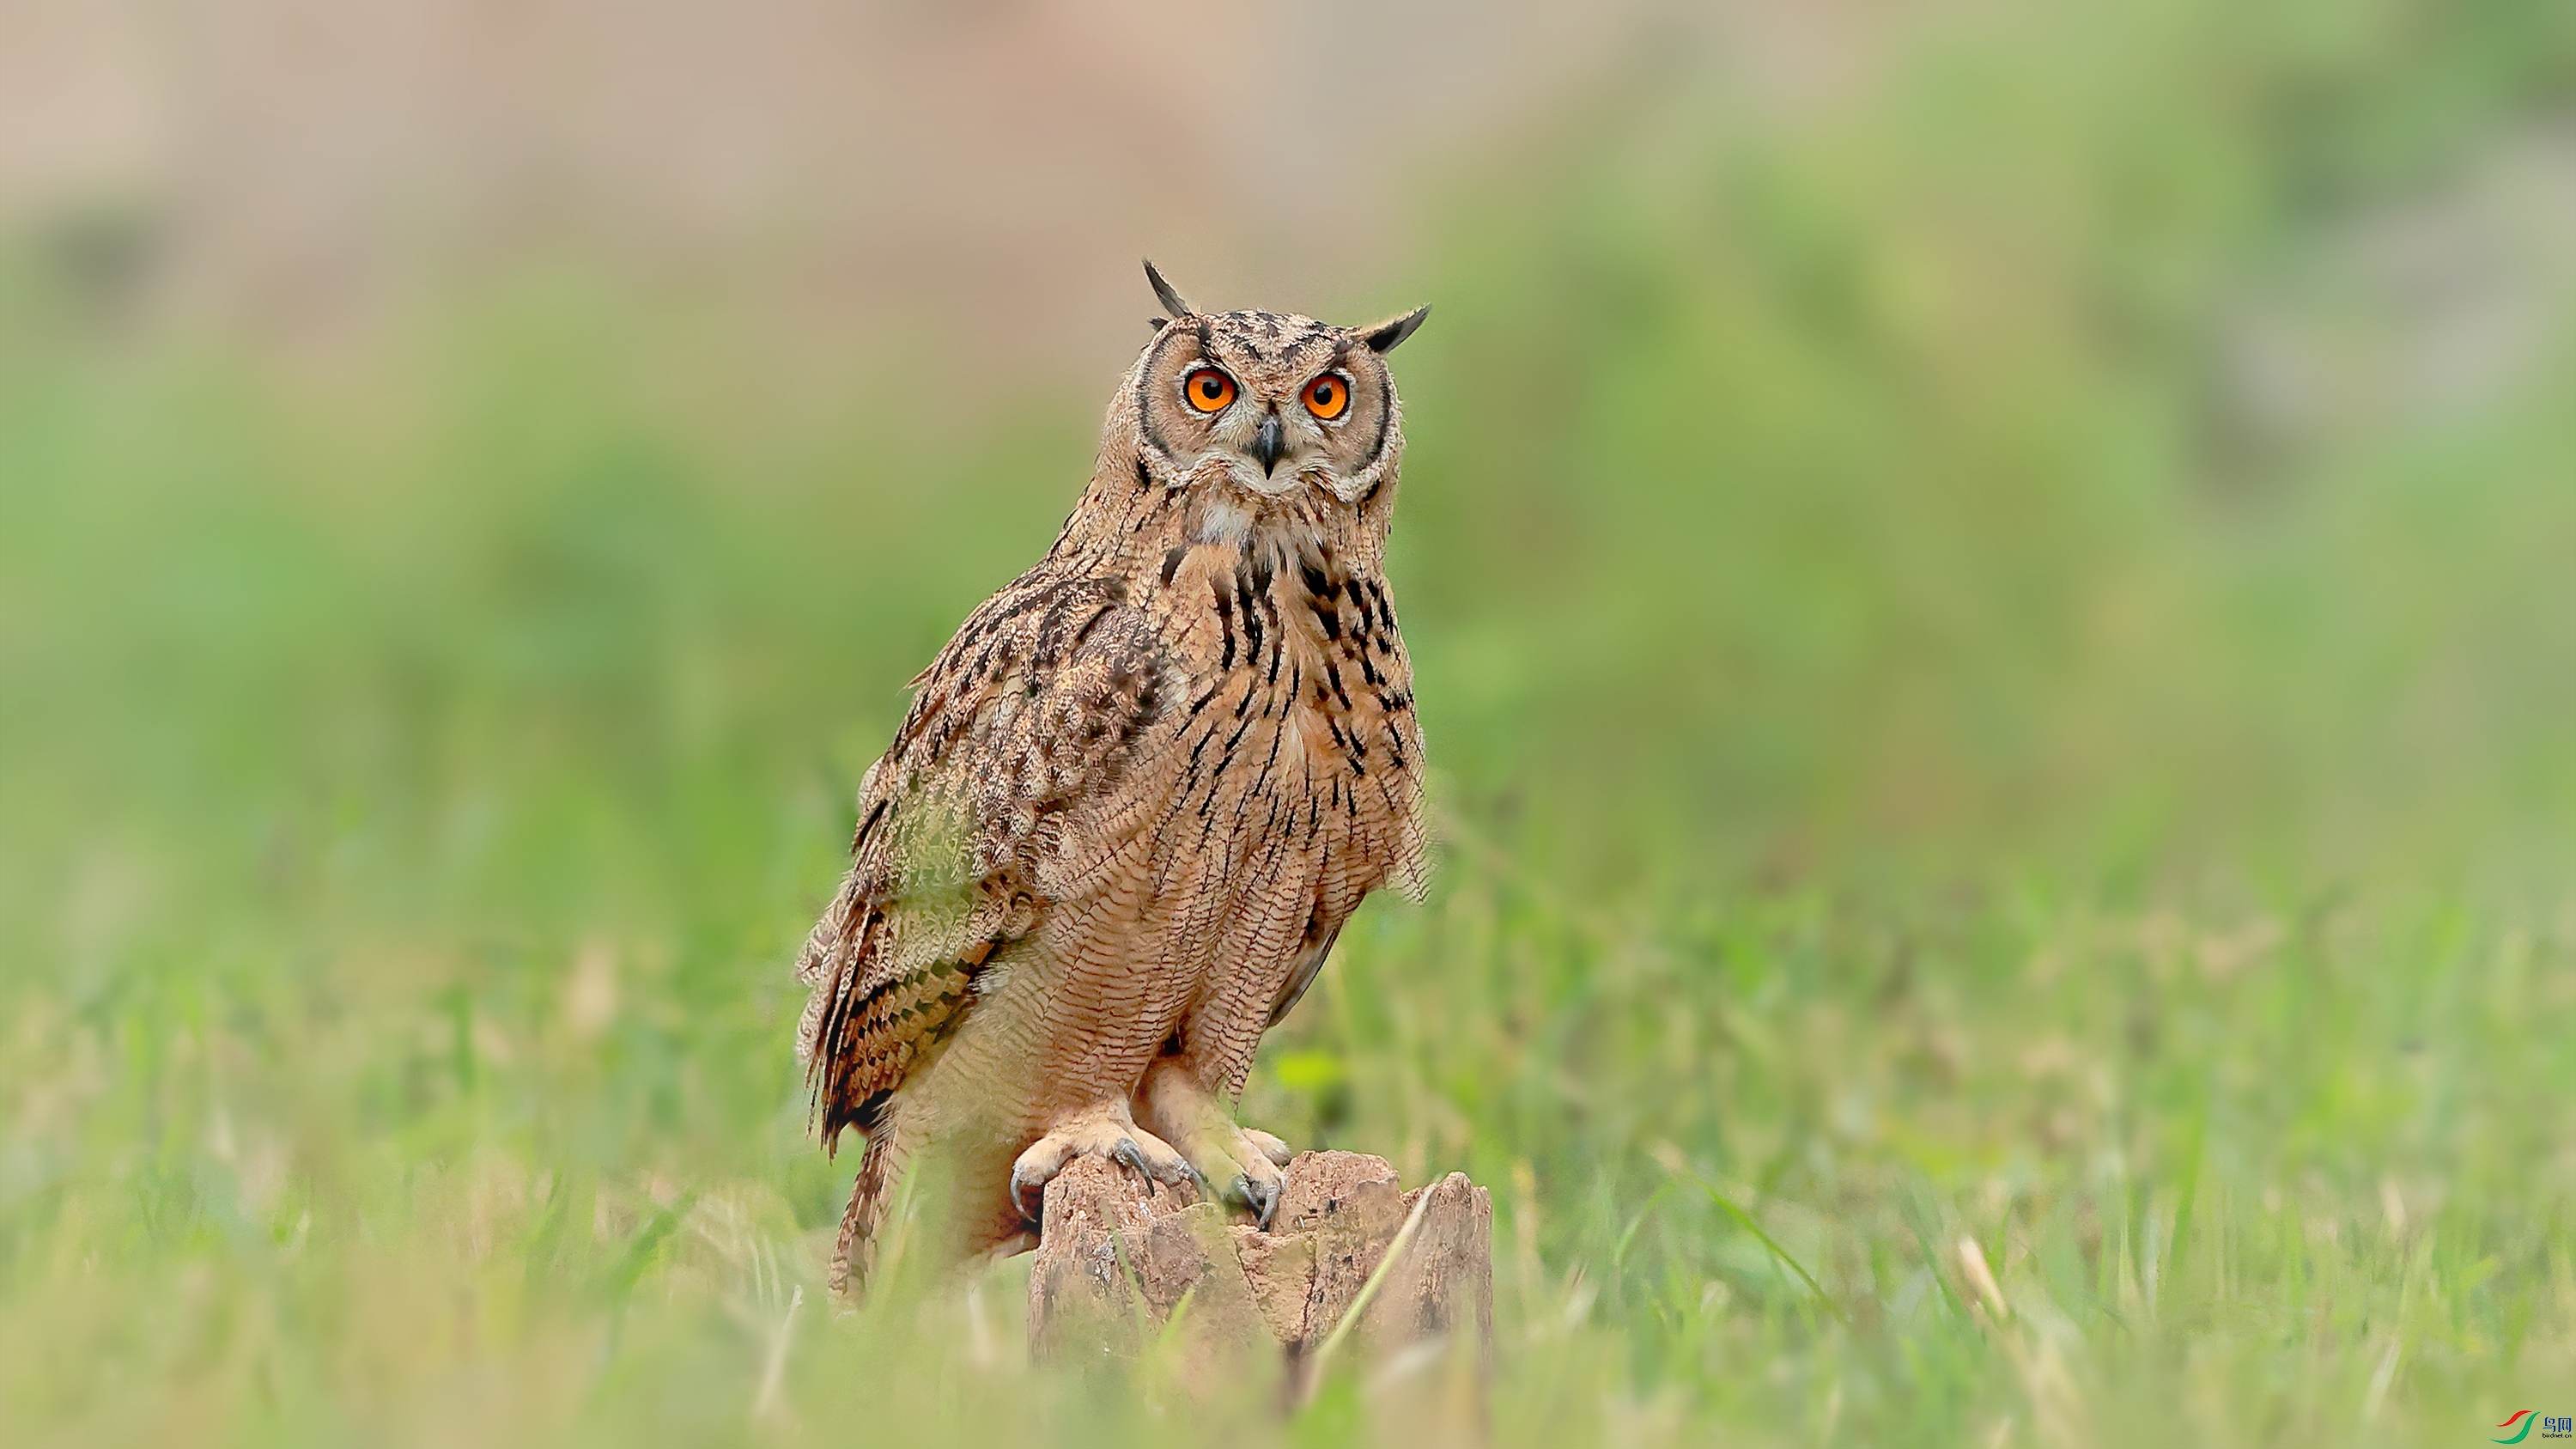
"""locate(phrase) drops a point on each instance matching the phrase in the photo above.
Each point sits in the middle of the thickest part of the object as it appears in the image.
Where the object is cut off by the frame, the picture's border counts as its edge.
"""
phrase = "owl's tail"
(929, 1226)
(854, 1256)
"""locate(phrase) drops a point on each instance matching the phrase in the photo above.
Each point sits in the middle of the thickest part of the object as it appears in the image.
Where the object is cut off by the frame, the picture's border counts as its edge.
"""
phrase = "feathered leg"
(1240, 1165)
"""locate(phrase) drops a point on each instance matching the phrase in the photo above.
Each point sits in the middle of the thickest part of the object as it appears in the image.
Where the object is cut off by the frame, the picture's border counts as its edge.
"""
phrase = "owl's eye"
(1208, 390)
(1327, 397)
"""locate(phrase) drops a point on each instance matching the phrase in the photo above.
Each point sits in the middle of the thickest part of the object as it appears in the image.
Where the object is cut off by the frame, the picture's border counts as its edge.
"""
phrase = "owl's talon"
(1028, 1189)
(1260, 1195)
(1097, 1134)
(1174, 1102)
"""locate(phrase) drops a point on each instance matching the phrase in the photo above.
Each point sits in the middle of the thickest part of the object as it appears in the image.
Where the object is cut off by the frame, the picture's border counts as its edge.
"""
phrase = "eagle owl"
(1134, 801)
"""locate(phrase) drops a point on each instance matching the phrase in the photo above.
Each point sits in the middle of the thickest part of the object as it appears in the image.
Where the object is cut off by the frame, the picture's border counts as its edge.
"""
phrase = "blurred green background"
(1994, 592)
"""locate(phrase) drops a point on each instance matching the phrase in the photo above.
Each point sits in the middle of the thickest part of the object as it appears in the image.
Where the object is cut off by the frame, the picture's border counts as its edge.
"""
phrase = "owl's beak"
(1268, 443)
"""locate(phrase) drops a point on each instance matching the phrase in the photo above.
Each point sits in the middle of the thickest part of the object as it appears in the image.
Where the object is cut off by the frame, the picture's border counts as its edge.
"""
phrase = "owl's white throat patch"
(1282, 534)
(1222, 520)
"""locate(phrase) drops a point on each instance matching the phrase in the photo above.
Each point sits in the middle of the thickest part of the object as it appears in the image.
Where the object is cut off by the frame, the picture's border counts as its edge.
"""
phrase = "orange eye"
(1208, 390)
(1327, 397)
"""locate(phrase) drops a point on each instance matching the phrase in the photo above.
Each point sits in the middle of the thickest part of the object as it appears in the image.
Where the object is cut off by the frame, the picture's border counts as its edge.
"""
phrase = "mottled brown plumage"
(1135, 799)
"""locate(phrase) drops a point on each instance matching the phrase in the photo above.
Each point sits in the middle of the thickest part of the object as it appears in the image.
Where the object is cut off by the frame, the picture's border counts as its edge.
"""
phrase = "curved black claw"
(1261, 1197)
(1132, 1157)
(1029, 1197)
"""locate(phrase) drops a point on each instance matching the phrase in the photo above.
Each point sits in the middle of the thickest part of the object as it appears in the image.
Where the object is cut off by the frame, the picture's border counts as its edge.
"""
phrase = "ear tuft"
(1163, 292)
(1383, 336)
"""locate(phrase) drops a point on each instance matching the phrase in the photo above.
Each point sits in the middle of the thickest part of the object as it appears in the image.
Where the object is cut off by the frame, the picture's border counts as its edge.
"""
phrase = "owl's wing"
(1035, 707)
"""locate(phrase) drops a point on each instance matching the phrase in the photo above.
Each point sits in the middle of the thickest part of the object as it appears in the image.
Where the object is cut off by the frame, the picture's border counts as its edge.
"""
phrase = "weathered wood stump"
(1118, 1258)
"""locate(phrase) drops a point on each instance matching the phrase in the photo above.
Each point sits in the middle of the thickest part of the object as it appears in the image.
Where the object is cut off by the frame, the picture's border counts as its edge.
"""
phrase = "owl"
(1134, 801)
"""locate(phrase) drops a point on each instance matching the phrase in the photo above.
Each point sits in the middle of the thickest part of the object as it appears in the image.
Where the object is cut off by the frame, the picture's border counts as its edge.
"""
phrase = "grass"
(1990, 892)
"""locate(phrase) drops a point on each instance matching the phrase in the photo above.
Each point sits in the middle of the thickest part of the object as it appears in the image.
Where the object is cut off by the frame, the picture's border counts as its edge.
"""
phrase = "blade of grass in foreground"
(1745, 1220)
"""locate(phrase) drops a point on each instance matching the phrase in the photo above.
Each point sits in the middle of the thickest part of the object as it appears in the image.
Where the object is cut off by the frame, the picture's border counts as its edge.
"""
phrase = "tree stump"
(1118, 1257)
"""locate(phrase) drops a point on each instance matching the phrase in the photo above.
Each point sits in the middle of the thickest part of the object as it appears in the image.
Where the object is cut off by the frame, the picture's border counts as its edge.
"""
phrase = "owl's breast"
(1294, 736)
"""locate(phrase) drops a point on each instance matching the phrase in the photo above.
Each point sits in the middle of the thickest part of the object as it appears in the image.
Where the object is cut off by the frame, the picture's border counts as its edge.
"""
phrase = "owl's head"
(1266, 402)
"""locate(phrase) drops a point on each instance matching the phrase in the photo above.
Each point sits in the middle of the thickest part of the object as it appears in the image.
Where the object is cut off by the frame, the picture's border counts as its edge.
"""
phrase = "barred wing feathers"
(1037, 706)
